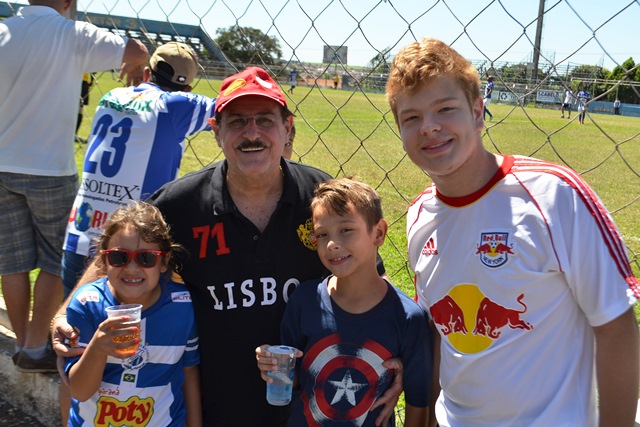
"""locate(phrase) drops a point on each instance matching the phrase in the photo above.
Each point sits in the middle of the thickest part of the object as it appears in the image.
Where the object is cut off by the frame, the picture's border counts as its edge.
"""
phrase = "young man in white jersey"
(521, 268)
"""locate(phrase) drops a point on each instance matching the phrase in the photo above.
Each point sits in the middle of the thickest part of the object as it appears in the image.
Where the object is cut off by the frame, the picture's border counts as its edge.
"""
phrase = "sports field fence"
(350, 130)
(339, 133)
(538, 80)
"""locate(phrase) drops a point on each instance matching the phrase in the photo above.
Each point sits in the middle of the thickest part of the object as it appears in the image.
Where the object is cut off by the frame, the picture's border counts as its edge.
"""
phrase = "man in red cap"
(246, 223)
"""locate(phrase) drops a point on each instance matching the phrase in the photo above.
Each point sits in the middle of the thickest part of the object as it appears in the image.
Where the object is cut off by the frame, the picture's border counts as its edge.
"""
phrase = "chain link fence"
(534, 51)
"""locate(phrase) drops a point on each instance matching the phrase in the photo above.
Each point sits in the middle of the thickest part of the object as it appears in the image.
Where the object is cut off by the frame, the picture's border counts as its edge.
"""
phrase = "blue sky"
(594, 32)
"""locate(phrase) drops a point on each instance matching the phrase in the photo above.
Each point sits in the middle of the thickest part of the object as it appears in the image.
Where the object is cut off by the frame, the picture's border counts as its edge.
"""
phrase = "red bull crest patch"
(494, 249)
(471, 321)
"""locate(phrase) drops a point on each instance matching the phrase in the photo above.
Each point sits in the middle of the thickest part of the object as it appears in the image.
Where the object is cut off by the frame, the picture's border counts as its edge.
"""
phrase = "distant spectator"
(616, 107)
(44, 56)
(87, 82)
(336, 80)
(293, 79)
(583, 98)
(567, 104)
(488, 91)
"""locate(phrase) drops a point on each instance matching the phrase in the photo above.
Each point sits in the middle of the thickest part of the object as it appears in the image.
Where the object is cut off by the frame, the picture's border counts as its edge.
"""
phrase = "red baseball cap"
(251, 81)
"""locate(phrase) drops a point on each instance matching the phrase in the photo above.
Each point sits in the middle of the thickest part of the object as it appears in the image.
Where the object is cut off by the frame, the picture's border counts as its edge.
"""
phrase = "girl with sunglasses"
(157, 385)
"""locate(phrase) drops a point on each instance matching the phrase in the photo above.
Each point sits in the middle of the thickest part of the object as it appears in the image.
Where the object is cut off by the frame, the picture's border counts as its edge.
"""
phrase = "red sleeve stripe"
(599, 213)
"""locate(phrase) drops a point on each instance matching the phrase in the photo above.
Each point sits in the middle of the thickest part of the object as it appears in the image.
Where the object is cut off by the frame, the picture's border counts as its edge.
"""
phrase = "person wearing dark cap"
(136, 145)
(246, 223)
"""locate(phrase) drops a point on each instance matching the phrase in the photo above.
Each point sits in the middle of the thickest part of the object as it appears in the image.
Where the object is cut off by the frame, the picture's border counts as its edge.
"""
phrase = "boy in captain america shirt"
(349, 323)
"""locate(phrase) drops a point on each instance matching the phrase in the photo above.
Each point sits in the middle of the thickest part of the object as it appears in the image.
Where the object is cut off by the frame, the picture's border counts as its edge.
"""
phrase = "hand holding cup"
(134, 313)
(276, 364)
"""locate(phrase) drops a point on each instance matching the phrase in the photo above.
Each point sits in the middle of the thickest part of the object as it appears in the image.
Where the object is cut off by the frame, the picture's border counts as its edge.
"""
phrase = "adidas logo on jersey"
(430, 248)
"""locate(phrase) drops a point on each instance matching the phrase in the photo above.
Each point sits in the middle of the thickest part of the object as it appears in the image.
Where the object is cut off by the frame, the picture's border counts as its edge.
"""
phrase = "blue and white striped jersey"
(145, 389)
(136, 145)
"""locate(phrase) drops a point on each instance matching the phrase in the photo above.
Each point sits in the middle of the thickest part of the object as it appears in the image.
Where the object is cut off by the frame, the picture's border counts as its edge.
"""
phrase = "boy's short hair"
(340, 194)
(420, 62)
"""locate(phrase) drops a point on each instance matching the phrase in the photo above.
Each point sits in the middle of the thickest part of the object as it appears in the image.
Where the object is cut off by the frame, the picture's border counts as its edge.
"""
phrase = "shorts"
(34, 212)
(566, 105)
(581, 107)
(486, 101)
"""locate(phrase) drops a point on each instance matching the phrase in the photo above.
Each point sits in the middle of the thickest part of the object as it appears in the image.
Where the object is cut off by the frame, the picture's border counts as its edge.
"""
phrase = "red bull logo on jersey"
(471, 321)
(494, 249)
(134, 412)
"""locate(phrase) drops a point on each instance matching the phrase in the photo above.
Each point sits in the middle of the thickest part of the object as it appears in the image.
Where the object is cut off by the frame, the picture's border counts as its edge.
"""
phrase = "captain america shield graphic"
(346, 380)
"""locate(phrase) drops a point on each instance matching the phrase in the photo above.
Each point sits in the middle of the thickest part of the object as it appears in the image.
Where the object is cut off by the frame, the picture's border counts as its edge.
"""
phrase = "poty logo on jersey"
(466, 308)
(306, 235)
(346, 380)
(134, 412)
(494, 249)
(430, 247)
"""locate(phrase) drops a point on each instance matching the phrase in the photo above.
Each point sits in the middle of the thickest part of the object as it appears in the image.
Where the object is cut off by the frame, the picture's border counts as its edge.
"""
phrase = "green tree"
(380, 63)
(628, 72)
(248, 45)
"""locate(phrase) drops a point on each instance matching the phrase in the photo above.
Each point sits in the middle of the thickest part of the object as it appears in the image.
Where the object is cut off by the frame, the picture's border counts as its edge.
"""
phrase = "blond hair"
(421, 62)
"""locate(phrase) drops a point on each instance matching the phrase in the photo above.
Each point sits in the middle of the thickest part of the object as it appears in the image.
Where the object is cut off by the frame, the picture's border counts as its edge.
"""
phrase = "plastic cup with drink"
(134, 312)
(279, 391)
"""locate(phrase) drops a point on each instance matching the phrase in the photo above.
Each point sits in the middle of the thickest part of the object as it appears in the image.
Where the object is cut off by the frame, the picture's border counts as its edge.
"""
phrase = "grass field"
(351, 133)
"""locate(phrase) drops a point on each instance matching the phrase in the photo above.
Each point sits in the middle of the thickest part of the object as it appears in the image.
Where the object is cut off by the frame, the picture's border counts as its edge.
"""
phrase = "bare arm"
(435, 378)
(390, 397)
(191, 389)
(134, 59)
(60, 329)
(85, 376)
(415, 417)
(617, 370)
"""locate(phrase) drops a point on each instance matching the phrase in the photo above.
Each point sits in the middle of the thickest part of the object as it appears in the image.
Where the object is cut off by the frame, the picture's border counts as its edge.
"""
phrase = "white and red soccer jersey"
(136, 146)
(514, 277)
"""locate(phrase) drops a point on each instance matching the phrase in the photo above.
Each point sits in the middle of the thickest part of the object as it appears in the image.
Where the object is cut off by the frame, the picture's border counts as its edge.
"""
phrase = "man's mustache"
(249, 145)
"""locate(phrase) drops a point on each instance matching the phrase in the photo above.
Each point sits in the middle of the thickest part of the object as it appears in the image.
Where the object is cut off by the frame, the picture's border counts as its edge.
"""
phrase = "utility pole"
(538, 42)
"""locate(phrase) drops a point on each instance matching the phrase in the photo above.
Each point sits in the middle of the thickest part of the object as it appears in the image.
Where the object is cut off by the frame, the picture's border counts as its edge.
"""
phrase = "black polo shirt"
(240, 280)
